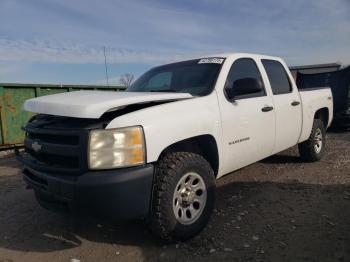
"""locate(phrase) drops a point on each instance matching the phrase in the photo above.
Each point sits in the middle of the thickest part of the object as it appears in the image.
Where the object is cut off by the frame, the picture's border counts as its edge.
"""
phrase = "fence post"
(37, 91)
(2, 116)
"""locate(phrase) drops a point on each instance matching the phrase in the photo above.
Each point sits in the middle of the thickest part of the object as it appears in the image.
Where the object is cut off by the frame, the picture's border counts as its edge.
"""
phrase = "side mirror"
(244, 86)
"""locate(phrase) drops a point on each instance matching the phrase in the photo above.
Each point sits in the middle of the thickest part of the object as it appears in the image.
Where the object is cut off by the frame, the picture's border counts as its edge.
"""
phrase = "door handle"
(295, 103)
(267, 108)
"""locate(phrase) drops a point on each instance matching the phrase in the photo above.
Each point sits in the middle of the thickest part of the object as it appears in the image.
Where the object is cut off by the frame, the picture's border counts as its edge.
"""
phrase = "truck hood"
(93, 104)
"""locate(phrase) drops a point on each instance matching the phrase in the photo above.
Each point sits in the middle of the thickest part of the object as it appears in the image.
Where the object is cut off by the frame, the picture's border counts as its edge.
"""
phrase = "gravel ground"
(279, 209)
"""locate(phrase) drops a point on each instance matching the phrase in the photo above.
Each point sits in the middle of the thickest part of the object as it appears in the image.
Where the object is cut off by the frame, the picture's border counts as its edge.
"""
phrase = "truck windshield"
(196, 77)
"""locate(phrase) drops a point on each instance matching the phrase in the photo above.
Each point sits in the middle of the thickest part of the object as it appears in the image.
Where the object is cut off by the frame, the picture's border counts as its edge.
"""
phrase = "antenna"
(104, 53)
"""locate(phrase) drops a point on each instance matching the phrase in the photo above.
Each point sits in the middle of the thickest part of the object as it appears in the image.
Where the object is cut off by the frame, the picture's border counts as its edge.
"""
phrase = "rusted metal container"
(12, 116)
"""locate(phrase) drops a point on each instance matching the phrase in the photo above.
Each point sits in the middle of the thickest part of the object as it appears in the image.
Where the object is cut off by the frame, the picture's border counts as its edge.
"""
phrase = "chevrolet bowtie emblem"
(36, 146)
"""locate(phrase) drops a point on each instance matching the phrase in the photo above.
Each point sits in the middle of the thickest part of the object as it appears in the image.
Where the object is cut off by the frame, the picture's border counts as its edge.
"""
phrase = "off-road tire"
(307, 148)
(168, 172)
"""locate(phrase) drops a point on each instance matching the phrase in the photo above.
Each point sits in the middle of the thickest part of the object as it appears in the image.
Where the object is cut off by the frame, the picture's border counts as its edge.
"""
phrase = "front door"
(248, 121)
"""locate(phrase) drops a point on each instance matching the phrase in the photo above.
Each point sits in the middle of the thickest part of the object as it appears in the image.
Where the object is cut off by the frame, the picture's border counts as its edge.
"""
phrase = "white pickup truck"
(156, 150)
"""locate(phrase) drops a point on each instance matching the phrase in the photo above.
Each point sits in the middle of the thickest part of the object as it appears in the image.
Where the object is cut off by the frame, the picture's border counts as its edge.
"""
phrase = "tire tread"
(306, 148)
(166, 168)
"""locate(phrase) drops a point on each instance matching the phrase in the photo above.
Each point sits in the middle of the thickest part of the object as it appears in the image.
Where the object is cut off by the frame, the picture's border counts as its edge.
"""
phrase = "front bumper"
(116, 194)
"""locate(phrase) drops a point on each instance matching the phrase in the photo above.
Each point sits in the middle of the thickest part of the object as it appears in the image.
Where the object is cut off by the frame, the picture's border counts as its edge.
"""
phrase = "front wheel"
(183, 196)
(313, 149)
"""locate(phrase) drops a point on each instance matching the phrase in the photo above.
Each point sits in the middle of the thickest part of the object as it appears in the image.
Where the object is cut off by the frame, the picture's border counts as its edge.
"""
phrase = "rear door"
(248, 128)
(287, 105)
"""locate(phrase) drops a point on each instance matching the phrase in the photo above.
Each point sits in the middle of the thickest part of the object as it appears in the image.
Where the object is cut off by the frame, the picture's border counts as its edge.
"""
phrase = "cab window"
(241, 69)
(279, 80)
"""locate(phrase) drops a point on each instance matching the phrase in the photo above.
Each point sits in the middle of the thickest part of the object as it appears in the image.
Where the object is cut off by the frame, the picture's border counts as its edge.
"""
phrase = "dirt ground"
(279, 209)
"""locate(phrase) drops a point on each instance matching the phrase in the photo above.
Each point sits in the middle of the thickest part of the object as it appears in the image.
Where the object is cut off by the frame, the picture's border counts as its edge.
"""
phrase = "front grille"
(55, 149)
(47, 138)
(55, 160)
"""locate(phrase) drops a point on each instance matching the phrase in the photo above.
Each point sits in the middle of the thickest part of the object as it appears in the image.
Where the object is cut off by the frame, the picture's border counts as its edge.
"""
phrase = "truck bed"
(313, 99)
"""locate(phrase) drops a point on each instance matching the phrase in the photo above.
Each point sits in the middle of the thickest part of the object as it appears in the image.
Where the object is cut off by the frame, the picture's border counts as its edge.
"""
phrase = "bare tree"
(126, 79)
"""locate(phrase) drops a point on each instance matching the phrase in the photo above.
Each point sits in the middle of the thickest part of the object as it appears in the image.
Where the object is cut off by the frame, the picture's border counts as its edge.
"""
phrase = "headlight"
(112, 148)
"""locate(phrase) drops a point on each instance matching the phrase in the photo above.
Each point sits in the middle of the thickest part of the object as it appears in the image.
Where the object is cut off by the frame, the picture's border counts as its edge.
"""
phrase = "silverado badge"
(36, 146)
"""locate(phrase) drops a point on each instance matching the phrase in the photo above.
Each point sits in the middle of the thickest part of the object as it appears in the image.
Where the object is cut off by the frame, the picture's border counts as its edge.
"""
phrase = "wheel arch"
(323, 115)
(204, 145)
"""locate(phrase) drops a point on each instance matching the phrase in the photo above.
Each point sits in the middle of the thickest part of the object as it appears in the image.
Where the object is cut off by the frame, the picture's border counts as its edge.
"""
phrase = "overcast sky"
(61, 41)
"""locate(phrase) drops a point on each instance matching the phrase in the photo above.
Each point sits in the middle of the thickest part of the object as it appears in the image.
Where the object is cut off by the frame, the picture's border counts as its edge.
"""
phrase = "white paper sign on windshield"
(213, 60)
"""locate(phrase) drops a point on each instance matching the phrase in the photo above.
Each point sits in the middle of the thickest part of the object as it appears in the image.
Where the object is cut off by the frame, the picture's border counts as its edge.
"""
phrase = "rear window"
(279, 80)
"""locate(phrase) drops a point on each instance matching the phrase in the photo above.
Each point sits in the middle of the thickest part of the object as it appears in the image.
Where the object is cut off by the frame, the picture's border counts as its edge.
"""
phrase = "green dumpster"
(12, 97)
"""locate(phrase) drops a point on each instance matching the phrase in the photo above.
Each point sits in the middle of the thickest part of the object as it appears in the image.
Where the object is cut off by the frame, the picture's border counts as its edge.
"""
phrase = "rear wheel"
(313, 149)
(183, 196)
